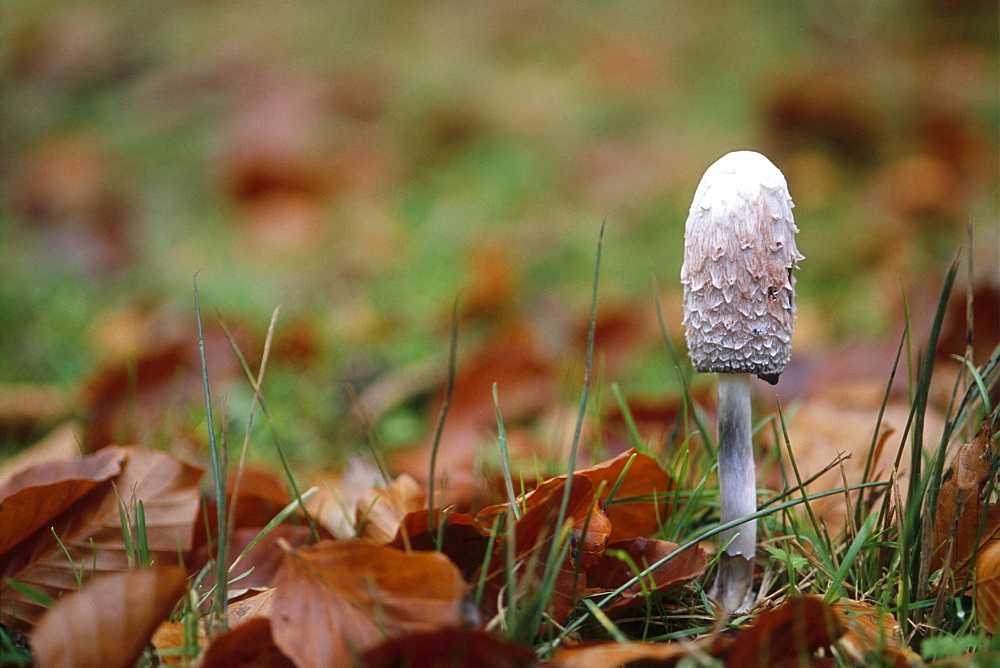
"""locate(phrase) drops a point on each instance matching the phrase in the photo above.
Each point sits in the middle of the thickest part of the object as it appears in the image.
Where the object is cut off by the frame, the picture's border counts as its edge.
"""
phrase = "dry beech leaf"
(988, 586)
(32, 498)
(613, 572)
(261, 495)
(639, 503)
(169, 639)
(960, 508)
(613, 654)
(380, 510)
(339, 598)
(463, 539)
(252, 607)
(455, 648)
(90, 528)
(790, 634)
(256, 569)
(249, 645)
(110, 620)
(871, 635)
(533, 535)
(61, 444)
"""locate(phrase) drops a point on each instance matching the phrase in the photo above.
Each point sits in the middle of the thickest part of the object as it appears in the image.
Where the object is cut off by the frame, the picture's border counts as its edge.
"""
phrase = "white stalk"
(737, 479)
(738, 494)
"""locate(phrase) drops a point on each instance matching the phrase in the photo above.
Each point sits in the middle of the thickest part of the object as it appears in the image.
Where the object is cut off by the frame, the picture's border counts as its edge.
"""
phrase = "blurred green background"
(361, 164)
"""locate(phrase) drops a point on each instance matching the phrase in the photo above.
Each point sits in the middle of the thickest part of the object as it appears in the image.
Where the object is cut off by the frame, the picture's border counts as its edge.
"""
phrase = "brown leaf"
(339, 598)
(454, 648)
(960, 508)
(261, 495)
(258, 605)
(61, 444)
(135, 399)
(31, 498)
(169, 640)
(613, 654)
(258, 568)
(612, 572)
(250, 645)
(638, 505)
(533, 535)
(789, 634)
(91, 531)
(463, 539)
(871, 636)
(380, 511)
(110, 620)
(988, 586)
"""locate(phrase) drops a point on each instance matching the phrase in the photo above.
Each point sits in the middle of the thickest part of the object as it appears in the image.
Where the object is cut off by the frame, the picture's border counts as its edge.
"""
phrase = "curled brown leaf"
(108, 622)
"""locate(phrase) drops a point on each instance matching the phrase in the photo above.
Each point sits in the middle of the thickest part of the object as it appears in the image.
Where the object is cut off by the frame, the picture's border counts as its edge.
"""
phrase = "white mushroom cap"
(739, 253)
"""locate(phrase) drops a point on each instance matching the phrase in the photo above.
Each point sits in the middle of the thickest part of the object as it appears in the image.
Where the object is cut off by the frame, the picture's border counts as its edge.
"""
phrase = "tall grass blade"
(505, 457)
(218, 477)
(443, 414)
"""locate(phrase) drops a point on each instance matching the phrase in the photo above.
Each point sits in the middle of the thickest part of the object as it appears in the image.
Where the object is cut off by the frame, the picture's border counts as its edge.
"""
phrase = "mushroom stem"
(737, 491)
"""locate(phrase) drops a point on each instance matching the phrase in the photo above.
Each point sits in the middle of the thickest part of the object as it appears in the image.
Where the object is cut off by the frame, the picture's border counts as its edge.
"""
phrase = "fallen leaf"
(258, 568)
(339, 598)
(960, 509)
(61, 444)
(258, 605)
(380, 511)
(144, 397)
(613, 571)
(454, 648)
(533, 534)
(462, 539)
(790, 634)
(31, 498)
(90, 528)
(871, 635)
(249, 645)
(110, 620)
(169, 640)
(614, 654)
(639, 503)
(988, 586)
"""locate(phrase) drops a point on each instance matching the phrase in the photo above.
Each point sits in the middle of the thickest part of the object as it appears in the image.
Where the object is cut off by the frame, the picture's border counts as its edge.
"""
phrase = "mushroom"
(739, 306)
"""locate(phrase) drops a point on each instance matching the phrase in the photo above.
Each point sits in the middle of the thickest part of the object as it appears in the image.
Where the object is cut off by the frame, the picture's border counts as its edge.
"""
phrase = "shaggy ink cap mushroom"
(739, 253)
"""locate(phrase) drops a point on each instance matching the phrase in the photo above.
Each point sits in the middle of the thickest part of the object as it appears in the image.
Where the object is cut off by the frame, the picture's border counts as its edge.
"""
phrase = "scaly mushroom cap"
(739, 253)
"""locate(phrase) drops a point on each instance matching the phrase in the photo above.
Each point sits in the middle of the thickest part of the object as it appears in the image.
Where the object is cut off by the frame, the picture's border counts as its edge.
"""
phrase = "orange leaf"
(871, 635)
(339, 598)
(380, 510)
(638, 505)
(248, 645)
(533, 535)
(613, 572)
(450, 647)
(110, 620)
(172, 644)
(30, 499)
(257, 569)
(613, 654)
(988, 586)
(790, 634)
(91, 531)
